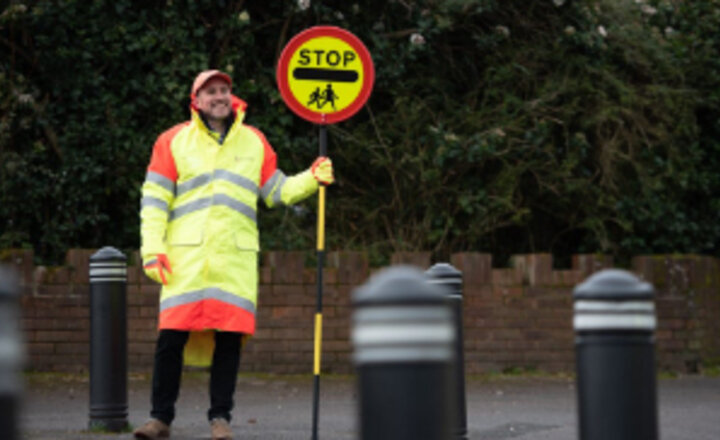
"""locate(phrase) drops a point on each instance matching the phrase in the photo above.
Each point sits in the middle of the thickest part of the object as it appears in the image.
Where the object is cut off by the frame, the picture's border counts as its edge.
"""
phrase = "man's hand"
(156, 266)
(322, 170)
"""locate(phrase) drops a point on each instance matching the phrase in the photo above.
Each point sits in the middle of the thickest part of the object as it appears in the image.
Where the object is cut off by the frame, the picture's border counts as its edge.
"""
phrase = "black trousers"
(168, 371)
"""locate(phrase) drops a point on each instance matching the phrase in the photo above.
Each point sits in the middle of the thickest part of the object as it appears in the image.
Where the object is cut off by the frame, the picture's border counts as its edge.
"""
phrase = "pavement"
(56, 407)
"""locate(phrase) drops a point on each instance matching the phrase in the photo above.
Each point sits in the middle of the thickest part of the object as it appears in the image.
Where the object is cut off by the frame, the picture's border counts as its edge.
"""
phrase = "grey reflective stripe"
(193, 183)
(160, 180)
(237, 179)
(222, 199)
(270, 184)
(206, 178)
(150, 263)
(209, 293)
(218, 199)
(277, 197)
(187, 208)
(154, 202)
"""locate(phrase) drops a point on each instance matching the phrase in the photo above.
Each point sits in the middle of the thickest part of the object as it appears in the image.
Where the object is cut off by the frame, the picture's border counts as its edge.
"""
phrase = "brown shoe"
(220, 429)
(153, 429)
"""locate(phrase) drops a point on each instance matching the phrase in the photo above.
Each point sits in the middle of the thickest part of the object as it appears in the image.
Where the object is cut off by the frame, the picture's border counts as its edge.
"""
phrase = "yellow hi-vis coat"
(199, 204)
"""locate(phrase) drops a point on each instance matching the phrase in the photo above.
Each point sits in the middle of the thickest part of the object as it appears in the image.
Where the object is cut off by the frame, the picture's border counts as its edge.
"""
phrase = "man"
(200, 240)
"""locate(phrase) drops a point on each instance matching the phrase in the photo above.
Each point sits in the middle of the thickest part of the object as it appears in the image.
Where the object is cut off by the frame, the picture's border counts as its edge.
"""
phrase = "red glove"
(322, 170)
(156, 266)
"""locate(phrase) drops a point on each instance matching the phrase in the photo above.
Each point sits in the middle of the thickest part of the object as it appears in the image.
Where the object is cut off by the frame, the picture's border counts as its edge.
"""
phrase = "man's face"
(213, 99)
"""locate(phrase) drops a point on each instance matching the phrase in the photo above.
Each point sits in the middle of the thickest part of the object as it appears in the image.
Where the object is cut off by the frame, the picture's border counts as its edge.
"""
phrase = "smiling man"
(200, 241)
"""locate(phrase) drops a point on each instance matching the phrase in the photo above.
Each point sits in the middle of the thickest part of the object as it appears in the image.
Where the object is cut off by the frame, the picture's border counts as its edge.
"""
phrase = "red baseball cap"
(207, 75)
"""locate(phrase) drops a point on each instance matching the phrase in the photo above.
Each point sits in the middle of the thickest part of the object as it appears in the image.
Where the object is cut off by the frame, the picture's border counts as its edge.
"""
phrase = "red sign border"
(294, 44)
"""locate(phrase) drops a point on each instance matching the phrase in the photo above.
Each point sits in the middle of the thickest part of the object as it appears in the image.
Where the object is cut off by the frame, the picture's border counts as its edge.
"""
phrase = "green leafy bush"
(500, 126)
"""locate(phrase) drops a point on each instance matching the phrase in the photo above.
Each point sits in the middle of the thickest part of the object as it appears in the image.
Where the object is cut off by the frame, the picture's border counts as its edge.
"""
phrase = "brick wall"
(514, 317)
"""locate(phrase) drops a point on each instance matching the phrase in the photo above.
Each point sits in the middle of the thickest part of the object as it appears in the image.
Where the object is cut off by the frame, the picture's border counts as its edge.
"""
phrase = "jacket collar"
(236, 118)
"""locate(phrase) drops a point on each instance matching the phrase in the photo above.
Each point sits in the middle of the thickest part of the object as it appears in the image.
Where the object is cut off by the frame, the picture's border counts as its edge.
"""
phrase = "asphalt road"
(55, 407)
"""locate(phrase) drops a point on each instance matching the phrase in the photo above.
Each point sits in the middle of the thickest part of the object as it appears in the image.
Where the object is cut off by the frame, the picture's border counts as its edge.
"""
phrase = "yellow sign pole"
(325, 75)
(318, 311)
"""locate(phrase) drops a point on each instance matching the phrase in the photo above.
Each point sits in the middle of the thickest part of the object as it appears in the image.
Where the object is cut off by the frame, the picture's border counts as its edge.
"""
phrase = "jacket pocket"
(185, 237)
(247, 242)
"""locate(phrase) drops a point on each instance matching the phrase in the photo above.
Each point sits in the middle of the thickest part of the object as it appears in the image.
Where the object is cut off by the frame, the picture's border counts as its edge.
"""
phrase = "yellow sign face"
(325, 75)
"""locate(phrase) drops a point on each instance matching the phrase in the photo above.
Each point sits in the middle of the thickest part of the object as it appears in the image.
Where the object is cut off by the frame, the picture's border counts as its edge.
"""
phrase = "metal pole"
(108, 340)
(614, 323)
(403, 339)
(449, 278)
(318, 309)
(11, 355)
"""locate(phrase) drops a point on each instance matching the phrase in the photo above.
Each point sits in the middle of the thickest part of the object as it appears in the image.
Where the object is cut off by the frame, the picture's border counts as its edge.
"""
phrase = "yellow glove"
(156, 266)
(322, 170)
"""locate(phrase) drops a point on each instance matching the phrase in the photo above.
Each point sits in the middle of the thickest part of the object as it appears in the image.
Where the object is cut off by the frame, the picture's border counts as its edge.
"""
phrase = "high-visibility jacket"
(199, 203)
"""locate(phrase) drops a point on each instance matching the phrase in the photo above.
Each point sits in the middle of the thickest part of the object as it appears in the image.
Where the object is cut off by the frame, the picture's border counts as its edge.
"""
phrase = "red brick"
(279, 312)
(336, 346)
(569, 278)
(536, 269)
(78, 262)
(60, 336)
(476, 267)
(504, 292)
(505, 334)
(340, 296)
(141, 348)
(35, 348)
(265, 275)
(420, 260)
(352, 267)
(507, 277)
(72, 348)
(287, 267)
(587, 264)
(291, 334)
(476, 292)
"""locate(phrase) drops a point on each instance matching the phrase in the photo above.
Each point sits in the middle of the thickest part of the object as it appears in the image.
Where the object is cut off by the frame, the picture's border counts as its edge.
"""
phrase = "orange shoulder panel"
(162, 161)
(269, 157)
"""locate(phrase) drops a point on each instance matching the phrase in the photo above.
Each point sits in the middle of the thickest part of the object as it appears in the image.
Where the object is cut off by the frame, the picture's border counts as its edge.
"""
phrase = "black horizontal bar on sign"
(332, 75)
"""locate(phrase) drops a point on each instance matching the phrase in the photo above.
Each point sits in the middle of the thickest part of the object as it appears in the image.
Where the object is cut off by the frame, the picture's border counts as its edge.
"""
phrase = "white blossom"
(502, 30)
(498, 132)
(559, 3)
(25, 98)
(303, 4)
(649, 10)
(244, 17)
(339, 15)
(601, 30)
(570, 30)
(417, 39)
(669, 31)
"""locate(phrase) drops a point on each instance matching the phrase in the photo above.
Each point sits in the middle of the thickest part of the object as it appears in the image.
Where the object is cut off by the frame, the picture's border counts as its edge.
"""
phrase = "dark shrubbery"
(500, 126)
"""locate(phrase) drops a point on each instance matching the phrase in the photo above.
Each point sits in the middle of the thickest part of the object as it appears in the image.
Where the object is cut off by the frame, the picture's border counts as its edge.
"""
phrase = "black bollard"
(448, 277)
(108, 341)
(11, 355)
(614, 323)
(403, 339)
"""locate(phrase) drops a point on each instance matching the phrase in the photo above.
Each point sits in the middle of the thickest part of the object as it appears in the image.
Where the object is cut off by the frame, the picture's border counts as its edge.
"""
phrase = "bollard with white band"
(403, 338)
(614, 323)
(448, 277)
(11, 355)
(108, 340)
